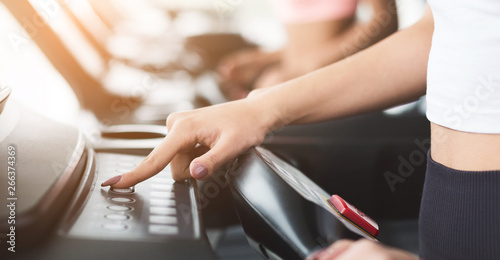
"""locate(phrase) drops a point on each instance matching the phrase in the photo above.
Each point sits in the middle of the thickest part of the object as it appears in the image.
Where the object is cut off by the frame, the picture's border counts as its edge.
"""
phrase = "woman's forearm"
(389, 73)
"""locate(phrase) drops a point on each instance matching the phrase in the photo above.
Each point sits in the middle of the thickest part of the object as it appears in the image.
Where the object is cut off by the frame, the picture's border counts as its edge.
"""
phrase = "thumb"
(205, 165)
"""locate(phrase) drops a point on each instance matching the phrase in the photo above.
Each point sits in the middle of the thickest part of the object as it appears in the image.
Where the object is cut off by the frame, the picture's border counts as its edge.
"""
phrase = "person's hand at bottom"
(361, 249)
(202, 140)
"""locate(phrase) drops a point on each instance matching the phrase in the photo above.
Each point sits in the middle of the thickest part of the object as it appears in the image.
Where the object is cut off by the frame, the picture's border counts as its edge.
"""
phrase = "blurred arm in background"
(319, 32)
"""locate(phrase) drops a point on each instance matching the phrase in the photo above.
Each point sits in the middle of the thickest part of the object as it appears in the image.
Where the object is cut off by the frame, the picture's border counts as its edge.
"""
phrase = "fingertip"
(112, 181)
(124, 182)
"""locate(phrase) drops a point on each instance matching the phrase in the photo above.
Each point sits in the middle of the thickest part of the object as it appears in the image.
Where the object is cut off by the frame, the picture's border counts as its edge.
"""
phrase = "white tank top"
(463, 74)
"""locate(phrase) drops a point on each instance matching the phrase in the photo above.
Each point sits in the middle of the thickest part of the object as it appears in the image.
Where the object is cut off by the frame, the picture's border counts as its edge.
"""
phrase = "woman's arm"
(200, 141)
(389, 73)
(312, 46)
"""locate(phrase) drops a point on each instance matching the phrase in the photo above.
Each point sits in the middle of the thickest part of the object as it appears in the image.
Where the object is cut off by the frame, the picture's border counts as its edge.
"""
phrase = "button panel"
(158, 208)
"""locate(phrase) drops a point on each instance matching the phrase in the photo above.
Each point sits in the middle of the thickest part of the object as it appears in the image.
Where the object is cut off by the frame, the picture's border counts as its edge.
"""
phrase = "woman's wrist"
(267, 107)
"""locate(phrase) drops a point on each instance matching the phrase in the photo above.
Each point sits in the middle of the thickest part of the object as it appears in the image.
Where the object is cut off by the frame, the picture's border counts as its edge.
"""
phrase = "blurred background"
(104, 34)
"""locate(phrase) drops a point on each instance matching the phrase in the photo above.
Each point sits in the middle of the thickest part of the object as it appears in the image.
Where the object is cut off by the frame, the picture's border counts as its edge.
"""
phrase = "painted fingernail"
(111, 181)
(199, 171)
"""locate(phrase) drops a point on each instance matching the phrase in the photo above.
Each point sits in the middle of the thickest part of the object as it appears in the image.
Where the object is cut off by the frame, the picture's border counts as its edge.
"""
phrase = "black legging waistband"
(460, 214)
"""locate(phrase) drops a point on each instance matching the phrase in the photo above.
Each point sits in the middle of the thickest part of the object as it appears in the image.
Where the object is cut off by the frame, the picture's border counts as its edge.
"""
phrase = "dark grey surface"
(48, 161)
(234, 245)
(401, 234)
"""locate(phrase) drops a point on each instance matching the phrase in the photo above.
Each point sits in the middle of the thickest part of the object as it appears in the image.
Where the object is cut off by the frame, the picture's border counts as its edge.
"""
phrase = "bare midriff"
(465, 151)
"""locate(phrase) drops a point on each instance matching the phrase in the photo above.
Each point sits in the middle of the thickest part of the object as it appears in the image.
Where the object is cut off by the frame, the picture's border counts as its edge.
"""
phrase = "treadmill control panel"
(157, 209)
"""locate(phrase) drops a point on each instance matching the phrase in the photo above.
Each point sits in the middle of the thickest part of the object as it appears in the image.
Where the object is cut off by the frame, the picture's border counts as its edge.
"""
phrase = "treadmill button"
(164, 187)
(122, 200)
(163, 229)
(162, 211)
(115, 226)
(120, 208)
(123, 191)
(162, 219)
(117, 217)
(161, 194)
(162, 202)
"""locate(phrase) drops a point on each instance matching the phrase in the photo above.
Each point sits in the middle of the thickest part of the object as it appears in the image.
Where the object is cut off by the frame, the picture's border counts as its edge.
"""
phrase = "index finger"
(155, 162)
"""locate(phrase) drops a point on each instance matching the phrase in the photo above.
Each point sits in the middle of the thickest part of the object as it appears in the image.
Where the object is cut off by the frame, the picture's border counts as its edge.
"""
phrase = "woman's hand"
(200, 141)
(361, 249)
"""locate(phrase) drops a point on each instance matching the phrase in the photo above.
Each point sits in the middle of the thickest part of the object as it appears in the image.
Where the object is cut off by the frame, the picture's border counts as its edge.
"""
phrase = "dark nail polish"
(111, 181)
(200, 171)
